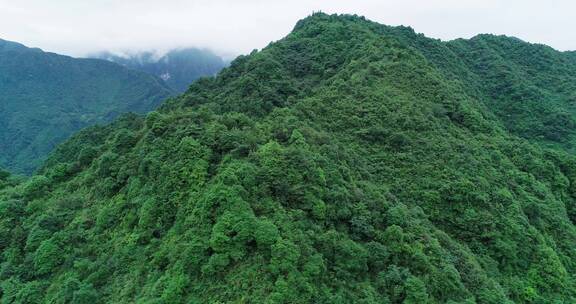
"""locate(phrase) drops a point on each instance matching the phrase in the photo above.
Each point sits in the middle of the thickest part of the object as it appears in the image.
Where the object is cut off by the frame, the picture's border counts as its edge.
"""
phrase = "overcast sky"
(231, 27)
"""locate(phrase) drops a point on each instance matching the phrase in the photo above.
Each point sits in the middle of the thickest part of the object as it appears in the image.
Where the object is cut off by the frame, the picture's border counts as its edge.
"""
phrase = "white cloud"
(232, 27)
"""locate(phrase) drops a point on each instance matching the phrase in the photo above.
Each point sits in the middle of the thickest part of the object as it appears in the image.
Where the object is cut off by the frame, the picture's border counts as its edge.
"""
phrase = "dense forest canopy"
(46, 97)
(349, 162)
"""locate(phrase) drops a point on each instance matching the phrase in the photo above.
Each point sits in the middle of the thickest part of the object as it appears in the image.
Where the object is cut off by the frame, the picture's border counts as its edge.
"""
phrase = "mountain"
(349, 162)
(531, 88)
(46, 97)
(178, 68)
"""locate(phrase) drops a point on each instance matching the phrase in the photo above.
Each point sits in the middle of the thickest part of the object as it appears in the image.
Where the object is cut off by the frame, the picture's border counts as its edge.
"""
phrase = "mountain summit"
(349, 162)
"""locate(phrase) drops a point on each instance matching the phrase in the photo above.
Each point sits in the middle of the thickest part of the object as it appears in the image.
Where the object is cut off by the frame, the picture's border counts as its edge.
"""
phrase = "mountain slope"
(529, 87)
(46, 97)
(340, 164)
(178, 68)
(532, 88)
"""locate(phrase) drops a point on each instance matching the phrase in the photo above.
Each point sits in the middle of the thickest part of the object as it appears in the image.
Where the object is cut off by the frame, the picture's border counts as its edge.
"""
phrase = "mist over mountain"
(348, 162)
(178, 68)
(45, 97)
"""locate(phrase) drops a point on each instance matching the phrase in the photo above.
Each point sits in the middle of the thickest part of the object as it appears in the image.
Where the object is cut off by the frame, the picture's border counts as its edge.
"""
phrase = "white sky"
(78, 27)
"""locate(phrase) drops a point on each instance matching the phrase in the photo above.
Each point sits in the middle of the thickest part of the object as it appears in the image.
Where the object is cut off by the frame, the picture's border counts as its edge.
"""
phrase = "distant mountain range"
(45, 97)
(178, 68)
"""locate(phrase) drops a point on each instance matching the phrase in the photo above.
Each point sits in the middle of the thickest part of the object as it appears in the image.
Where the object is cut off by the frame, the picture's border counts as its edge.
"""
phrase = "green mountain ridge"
(6, 45)
(530, 87)
(46, 97)
(349, 162)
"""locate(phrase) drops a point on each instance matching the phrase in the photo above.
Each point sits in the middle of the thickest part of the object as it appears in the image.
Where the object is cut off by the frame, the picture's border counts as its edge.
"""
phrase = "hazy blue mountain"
(45, 97)
(178, 68)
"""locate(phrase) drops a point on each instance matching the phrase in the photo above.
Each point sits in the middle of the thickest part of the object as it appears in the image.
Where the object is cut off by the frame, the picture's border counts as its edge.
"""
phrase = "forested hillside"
(178, 68)
(531, 88)
(45, 97)
(349, 162)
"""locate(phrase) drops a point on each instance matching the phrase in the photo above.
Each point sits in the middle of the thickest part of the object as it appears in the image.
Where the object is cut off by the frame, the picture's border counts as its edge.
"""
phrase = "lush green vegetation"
(178, 68)
(46, 97)
(349, 162)
(530, 88)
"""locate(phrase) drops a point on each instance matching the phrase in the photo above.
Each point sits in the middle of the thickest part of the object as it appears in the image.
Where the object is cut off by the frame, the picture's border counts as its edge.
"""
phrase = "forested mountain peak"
(6, 45)
(348, 162)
